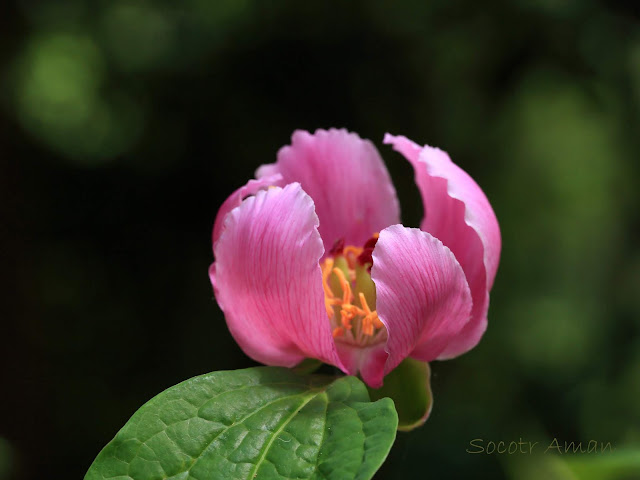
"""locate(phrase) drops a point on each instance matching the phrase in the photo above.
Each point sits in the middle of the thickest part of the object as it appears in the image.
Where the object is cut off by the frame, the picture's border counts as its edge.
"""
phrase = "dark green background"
(123, 127)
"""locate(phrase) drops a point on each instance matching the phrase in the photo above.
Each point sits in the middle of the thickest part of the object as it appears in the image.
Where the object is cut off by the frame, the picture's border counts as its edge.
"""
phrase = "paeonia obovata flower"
(311, 260)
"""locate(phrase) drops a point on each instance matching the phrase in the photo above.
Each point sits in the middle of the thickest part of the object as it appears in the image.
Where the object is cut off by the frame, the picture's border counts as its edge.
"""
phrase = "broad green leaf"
(409, 387)
(258, 423)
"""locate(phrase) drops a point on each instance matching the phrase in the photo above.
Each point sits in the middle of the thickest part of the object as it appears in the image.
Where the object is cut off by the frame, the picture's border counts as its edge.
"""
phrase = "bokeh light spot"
(60, 100)
(138, 36)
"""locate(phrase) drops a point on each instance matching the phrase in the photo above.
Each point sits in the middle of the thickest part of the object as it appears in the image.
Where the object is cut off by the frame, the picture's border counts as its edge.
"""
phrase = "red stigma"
(337, 248)
(367, 252)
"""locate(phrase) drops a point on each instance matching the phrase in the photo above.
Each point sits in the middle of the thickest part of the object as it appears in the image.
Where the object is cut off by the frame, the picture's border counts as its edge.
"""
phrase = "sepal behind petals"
(409, 386)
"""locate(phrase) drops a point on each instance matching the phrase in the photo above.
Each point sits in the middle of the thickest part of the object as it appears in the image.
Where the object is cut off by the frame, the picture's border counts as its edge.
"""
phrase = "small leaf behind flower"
(410, 388)
(307, 366)
(258, 423)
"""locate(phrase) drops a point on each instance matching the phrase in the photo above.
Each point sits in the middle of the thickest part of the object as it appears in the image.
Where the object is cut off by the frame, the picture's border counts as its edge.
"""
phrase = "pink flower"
(311, 259)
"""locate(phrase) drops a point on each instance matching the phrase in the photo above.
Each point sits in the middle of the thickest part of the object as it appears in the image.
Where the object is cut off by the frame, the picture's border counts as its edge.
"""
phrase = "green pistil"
(365, 285)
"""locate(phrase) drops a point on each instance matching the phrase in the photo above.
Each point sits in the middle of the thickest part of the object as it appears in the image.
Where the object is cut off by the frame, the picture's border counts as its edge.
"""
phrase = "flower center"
(350, 294)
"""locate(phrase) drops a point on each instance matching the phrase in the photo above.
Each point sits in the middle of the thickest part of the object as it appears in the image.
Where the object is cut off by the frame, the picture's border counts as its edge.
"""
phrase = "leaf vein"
(275, 434)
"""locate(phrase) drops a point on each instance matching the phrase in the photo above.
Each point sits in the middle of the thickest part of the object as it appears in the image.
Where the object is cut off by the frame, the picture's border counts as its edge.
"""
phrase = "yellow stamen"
(371, 319)
(351, 253)
(367, 326)
(345, 318)
(329, 303)
(350, 249)
(363, 302)
(327, 266)
(343, 279)
(346, 288)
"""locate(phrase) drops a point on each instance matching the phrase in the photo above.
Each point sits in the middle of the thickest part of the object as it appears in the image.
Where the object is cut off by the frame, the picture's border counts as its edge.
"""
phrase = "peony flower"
(311, 260)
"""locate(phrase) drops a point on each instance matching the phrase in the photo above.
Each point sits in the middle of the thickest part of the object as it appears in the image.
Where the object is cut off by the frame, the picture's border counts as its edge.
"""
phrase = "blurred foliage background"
(124, 125)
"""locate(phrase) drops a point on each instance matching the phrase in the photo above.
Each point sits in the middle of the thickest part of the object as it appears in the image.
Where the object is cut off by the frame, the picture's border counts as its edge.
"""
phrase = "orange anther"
(363, 302)
(329, 308)
(327, 266)
(346, 287)
(351, 253)
(367, 325)
(345, 318)
(352, 309)
(357, 319)
(350, 249)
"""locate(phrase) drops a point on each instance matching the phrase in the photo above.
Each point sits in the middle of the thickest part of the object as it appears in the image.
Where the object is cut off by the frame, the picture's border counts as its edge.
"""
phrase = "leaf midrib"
(312, 392)
(275, 434)
(235, 424)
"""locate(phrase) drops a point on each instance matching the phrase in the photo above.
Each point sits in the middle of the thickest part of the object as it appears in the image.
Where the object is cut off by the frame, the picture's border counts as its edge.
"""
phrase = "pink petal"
(346, 178)
(268, 280)
(422, 296)
(369, 361)
(235, 199)
(459, 214)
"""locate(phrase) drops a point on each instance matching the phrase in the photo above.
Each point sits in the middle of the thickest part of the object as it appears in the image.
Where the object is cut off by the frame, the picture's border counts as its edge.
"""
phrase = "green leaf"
(307, 366)
(258, 423)
(409, 387)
